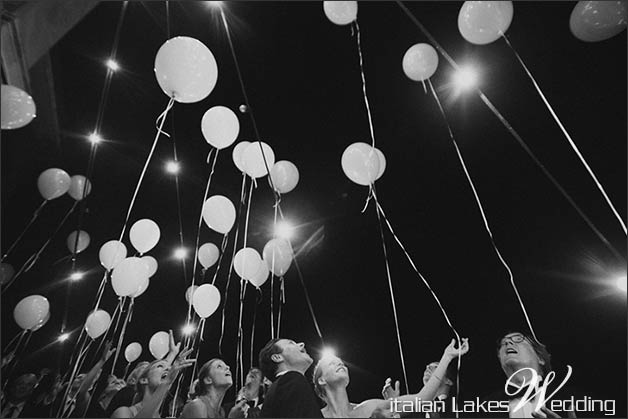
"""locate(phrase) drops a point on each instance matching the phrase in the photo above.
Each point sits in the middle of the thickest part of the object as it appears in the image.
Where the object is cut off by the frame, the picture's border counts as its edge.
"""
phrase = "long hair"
(200, 388)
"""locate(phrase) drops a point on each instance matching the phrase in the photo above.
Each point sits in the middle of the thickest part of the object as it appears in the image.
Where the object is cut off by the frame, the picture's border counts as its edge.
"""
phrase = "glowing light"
(112, 65)
(188, 329)
(76, 276)
(328, 353)
(214, 4)
(173, 167)
(621, 283)
(63, 337)
(465, 78)
(284, 230)
(180, 253)
(94, 138)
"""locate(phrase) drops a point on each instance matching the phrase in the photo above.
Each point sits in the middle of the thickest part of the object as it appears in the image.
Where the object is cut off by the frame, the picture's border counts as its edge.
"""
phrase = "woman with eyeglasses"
(331, 378)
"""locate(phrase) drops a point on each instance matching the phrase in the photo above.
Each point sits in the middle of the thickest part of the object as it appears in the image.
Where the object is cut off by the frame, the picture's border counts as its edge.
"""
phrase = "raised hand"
(107, 352)
(452, 352)
(239, 410)
(179, 364)
(388, 392)
(174, 348)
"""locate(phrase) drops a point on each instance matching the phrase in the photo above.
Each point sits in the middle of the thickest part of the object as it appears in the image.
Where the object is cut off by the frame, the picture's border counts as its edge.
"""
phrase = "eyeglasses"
(518, 338)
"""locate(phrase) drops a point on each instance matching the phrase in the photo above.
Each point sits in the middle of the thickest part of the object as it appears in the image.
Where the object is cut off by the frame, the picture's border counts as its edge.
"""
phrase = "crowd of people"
(278, 388)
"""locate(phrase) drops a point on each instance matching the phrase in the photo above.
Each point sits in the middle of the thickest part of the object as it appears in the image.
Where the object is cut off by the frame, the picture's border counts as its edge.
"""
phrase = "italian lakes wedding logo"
(535, 395)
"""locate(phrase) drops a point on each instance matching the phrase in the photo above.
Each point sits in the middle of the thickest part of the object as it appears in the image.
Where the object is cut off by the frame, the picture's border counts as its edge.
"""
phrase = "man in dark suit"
(284, 362)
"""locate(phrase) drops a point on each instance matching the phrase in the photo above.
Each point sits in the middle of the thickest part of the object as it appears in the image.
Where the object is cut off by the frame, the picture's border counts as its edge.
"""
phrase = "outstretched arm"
(174, 349)
(82, 396)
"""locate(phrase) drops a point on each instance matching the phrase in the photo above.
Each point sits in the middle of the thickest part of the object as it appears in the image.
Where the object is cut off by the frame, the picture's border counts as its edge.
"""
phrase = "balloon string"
(160, 119)
(272, 276)
(259, 299)
(366, 99)
(30, 223)
(239, 363)
(122, 333)
(282, 300)
(101, 290)
(65, 402)
(17, 337)
(392, 299)
(199, 225)
(248, 212)
(567, 136)
(235, 247)
(223, 247)
(177, 189)
(103, 338)
(482, 212)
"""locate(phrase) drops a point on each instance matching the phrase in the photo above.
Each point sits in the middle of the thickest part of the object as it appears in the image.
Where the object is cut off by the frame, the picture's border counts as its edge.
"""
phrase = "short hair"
(539, 348)
(266, 364)
(200, 388)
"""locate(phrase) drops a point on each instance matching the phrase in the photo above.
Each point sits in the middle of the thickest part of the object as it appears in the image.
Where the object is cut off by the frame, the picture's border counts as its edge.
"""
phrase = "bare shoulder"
(122, 412)
(366, 408)
(194, 409)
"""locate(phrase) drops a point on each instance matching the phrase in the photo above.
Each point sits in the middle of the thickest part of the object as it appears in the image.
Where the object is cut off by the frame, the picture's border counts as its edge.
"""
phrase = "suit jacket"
(291, 396)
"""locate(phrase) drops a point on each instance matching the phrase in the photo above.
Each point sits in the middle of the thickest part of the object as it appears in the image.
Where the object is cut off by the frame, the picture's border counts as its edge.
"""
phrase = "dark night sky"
(302, 77)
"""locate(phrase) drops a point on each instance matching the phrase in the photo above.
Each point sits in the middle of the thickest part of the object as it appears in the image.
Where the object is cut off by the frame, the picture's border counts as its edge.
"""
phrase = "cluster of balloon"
(256, 161)
(186, 69)
(285, 176)
(159, 344)
(80, 187)
(208, 255)
(277, 256)
(6, 273)
(144, 235)
(17, 107)
(420, 62)
(52, 183)
(111, 254)
(97, 323)
(219, 214)
(220, 127)
(341, 12)
(483, 22)
(77, 244)
(206, 300)
(32, 312)
(132, 352)
(130, 277)
(363, 164)
(594, 21)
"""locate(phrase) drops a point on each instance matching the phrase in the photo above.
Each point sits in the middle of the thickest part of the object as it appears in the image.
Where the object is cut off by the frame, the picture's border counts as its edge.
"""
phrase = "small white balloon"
(97, 323)
(255, 161)
(17, 107)
(151, 265)
(80, 187)
(31, 311)
(159, 345)
(208, 254)
(420, 62)
(341, 12)
(132, 352)
(360, 163)
(219, 214)
(285, 176)
(144, 235)
(206, 300)
(237, 154)
(246, 262)
(220, 127)
(112, 253)
(129, 276)
(77, 245)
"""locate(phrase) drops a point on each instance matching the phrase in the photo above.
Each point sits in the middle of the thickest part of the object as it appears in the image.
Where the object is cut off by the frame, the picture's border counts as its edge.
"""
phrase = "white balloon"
(81, 244)
(206, 300)
(278, 256)
(483, 22)
(246, 262)
(151, 265)
(260, 276)
(219, 214)
(360, 163)
(208, 254)
(31, 311)
(112, 253)
(189, 293)
(159, 345)
(97, 323)
(341, 12)
(17, 107)
(420, 62)
(237, 154)
(186, 69)
(129, 276)
(255, 162)
(78, 185)
(144, 235)
(285, 176)
(132, 352)
(220, 127)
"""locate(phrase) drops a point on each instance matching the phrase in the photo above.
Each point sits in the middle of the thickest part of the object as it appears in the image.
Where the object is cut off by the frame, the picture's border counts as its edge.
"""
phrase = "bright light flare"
(76, 276)
(112, 65)
(188, 329)
(621, 283)
(214, 4)
(284, 230)
(173, 167)
(465, 78)
(180, 253)
(94, 138)
(63, 337)
(328, 353)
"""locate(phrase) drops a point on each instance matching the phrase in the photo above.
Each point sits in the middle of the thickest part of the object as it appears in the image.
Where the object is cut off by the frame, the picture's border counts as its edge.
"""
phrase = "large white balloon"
(159, 345)
(97, 323)
(31, 311)
(220, 127)
(483, 22)
(360, 162)
(132, 352)
(79, 186)
(246, 262)
(219, 214)
(255, 161)
(144, 235)
(17, 107)
(206, 300)
(420, 62)
(278, 256)
(341, 12)
(151, 265)
(129, 276)
(52, 183)
(81, 244)
(208, 254)
(285, 176)
(112, 253)
(186, 69)
(237, 154)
